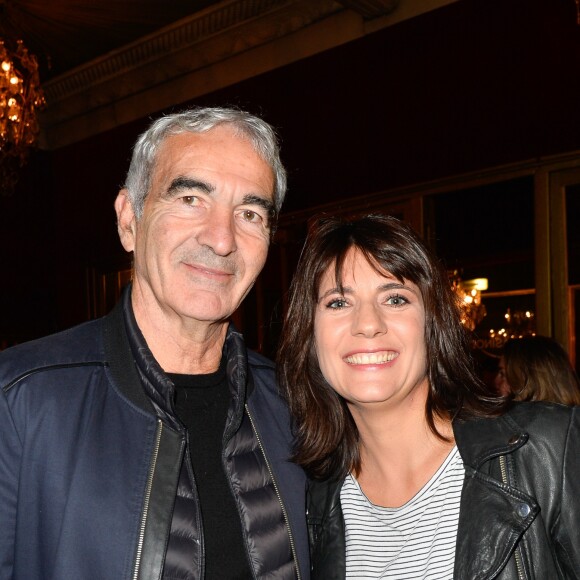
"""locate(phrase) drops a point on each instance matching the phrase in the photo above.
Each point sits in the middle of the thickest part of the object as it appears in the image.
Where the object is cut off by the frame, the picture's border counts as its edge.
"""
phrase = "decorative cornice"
(371, 8)
(219, 46)
(174, 65)
(160, 44)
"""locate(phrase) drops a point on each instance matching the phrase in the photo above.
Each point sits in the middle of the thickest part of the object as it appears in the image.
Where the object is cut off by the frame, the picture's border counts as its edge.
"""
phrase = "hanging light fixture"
(21, 98)
(473, 311)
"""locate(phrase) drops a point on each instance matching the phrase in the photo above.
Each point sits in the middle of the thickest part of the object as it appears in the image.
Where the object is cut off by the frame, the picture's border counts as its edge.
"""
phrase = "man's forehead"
(198, 157)
(205, 141)
(218, 148)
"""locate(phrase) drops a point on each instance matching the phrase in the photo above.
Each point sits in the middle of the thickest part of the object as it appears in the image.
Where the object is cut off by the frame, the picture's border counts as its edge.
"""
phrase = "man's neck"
(180, 345)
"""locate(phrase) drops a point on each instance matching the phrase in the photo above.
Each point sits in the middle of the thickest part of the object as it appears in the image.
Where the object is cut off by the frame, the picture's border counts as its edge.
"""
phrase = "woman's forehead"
(356, 272)
(346, 265)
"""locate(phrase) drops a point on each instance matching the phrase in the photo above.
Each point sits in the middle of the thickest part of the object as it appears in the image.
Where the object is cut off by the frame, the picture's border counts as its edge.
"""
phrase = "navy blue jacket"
(88, 472)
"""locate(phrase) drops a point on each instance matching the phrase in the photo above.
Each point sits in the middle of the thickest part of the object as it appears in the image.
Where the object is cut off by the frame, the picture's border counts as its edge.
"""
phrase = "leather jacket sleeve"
(566, 532)
(326, 531)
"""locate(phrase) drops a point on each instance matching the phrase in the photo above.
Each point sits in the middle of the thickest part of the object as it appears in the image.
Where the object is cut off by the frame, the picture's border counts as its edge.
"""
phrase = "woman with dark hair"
(537, 368)
(417, 472)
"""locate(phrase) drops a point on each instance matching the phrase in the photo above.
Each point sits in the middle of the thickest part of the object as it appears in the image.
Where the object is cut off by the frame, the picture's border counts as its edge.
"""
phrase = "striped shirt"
(414, 541)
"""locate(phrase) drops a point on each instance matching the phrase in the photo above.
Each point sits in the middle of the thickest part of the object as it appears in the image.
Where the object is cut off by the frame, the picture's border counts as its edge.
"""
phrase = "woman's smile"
(371, 358)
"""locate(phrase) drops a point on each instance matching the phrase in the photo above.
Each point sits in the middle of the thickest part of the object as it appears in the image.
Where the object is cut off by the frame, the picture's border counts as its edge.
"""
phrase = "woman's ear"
(126, 220)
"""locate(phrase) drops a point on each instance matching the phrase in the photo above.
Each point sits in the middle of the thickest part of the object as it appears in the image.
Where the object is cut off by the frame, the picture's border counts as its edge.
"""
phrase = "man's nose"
(218, 233)
(369, 321)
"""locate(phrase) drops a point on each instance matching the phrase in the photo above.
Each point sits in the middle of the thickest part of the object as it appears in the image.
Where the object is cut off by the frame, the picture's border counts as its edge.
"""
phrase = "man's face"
(203, 237)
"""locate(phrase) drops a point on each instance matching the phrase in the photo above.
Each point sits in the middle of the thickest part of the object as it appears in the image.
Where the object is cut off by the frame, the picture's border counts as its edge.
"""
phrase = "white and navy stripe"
(414, 541)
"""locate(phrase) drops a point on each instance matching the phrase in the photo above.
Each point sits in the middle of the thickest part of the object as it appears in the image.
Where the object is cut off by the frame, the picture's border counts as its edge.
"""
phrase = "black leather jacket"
(89, 466)
(520, 504)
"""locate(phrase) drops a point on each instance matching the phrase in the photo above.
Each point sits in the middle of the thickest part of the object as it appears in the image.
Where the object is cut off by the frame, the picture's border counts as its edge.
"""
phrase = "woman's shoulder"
(542, 413)
(538, 423)
(543, 419)
(539, 416)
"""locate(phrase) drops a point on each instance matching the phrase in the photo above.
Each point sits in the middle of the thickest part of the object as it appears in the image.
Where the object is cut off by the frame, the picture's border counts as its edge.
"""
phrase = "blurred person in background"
(537, 368)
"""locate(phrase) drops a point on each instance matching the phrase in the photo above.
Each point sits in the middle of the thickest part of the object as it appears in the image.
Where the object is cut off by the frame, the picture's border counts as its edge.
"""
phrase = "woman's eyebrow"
(392, 285)
(382, 288)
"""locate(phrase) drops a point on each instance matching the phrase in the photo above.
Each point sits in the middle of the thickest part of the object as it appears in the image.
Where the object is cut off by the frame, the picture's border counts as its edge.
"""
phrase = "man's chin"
(205, 306)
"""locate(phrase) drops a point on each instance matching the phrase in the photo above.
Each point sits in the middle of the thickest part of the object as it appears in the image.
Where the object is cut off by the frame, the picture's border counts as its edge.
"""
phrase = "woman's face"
(370, 339)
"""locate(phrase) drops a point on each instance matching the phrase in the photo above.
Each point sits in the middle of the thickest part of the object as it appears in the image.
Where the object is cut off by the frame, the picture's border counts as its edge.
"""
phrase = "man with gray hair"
(150, 444)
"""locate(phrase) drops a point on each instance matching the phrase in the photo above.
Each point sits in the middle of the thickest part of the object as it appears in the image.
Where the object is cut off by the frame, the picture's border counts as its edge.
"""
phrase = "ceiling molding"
(371, 8)
(214, 48)
(165, 42)
(134, 81)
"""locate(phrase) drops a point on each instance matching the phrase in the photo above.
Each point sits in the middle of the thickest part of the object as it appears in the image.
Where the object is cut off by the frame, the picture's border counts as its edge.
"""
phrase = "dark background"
(476, 84)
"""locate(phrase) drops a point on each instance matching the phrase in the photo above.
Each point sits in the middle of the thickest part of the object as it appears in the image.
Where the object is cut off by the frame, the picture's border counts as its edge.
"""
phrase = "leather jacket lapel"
(488, 535)
(494, 515)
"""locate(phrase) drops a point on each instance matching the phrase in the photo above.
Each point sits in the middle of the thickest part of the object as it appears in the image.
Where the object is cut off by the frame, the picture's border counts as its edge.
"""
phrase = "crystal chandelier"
(473, 311)
(20, 99)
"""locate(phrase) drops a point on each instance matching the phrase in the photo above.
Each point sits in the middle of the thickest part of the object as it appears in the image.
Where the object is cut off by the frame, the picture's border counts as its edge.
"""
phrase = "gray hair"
(199, 120)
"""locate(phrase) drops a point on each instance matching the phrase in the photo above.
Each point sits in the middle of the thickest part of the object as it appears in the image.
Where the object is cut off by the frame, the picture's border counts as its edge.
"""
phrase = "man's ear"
(126, 221)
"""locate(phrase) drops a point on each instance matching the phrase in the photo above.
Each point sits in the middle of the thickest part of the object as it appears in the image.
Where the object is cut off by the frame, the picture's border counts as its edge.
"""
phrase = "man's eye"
(189, 199)
(251, 216)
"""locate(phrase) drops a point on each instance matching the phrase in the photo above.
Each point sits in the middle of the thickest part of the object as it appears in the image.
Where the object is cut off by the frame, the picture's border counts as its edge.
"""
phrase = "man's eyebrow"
(180, 183)
(263, 202)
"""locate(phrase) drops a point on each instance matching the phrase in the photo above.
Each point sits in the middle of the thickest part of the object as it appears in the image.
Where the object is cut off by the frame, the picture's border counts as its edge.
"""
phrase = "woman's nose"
(369, 321)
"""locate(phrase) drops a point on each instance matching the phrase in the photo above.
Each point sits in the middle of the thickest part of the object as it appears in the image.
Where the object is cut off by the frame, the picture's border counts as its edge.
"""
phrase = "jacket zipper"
(504, 477)
(147, 499)
(286, 520)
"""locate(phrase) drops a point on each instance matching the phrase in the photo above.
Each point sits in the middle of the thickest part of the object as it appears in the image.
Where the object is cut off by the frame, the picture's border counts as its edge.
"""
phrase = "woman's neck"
(399, 453)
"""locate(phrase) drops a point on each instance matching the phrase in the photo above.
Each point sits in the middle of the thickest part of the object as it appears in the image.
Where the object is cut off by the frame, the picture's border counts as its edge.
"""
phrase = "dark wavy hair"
(327, 440)
(537, 368)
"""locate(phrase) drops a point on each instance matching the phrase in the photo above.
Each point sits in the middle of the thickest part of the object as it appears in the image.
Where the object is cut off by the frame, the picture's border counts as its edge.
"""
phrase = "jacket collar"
(494, 513)
(480, 440)
(157, 385)
(125, 342)
(118, 355)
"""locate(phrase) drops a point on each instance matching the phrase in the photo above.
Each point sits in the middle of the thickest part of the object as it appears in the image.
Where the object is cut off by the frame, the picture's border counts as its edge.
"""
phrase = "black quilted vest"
(263, 523)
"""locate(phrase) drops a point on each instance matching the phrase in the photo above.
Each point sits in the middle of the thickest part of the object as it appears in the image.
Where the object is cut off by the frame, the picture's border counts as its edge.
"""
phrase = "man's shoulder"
(80, 344)
(263, 373)
(259, 361)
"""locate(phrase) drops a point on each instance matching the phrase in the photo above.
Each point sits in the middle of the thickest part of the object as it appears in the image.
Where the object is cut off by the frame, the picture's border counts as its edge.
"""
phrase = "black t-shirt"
(201, 403)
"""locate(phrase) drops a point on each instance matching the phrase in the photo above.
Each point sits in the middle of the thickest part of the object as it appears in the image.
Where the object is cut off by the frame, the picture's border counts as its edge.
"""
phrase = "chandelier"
(518, 324)
(469, 294)
(20, 98)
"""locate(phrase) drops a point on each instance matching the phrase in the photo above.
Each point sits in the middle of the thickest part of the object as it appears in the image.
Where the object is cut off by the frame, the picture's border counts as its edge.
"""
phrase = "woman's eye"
(397, 300)
(337, 304)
